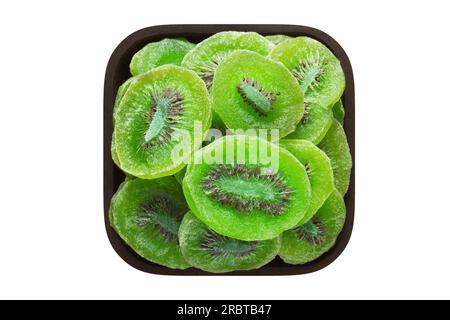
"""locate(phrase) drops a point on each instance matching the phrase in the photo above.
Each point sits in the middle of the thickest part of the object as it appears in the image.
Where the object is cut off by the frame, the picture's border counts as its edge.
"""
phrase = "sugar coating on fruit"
(207, 70)
(312, 231)
(162, 215)
(252, 92)
(319, 171)
(160, 113)
(147, 215)
(208, 54)
(210, 251)
(246, 189)
(277, 38)
(218, 245)
(314, 124)
(335, 145)
(255, 95)
(165, 111)
(316, 69)
(309, 72)
(155, 54)
(232, 197)
(309, 241)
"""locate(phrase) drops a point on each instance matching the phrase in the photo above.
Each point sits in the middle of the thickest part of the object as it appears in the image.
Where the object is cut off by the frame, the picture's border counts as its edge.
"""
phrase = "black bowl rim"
(112, 176)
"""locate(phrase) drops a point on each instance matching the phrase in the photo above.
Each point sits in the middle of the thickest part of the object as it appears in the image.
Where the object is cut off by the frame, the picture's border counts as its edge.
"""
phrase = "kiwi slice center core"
(161, 214)
(254, 95)
(246, 189)
(165, 108)
(218, 245)
(209, 68)
(312, 231)
(309, 72)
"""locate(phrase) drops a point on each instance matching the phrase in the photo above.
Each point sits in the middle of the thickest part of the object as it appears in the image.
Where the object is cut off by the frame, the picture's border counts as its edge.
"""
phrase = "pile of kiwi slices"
(233, 150)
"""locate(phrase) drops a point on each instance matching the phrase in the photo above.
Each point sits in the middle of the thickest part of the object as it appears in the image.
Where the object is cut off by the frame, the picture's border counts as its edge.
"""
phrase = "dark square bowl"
(117, 72)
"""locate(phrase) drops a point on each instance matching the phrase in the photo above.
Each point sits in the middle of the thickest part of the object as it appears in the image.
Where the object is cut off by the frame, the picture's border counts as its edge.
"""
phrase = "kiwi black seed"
(243, 196)
(156, 117)
(312, 232)
(165, 111)
(207, 250)
(209, 54)
(220, 184)
(315, 67)
(147, 215)
(312, 239)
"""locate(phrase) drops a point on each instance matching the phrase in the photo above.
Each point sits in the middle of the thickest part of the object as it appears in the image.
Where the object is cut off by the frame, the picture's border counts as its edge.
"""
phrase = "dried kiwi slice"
(312, 239)
(155, 54)
(207, 250)
(209, 53)
(240, 193)
(314, 124)
(318, 168)
(335, 145)
(120, 93)
(179, 176)
(156, 116)
(315, 67)
(339, 112)
(253, 92)
(147, 214)
(277, 38)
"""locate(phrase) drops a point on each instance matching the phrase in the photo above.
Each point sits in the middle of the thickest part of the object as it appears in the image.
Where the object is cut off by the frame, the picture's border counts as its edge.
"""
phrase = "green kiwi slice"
(236, 186)
(216, 124)
(207, 250)
(155, 54)
(315, 67)
(209, 53)
(179, 176)
(114, 156)
(339, 112)
(120, 93)
(277, 38)
(335, 145)
(312, 239)
(252, 92)
(157, 116)
(147, 214)
(314, 124)
(318, 168)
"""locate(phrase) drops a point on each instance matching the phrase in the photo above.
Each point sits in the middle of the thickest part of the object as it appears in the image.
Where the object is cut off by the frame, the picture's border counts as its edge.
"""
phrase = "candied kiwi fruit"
(207, 250)
(318, 168)
(155, 54)
(209, 53)
(317, 70)
(252, 92)
(312, 239)
(147, 215)
(277, 38)
(335, 145)
(247, 188)
(156, 120)
(339, 112)
(120, 93)
(179, 176)
(315, 122)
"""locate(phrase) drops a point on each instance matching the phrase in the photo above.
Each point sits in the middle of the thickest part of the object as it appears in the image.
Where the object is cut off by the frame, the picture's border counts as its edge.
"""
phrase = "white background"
(52, 61)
